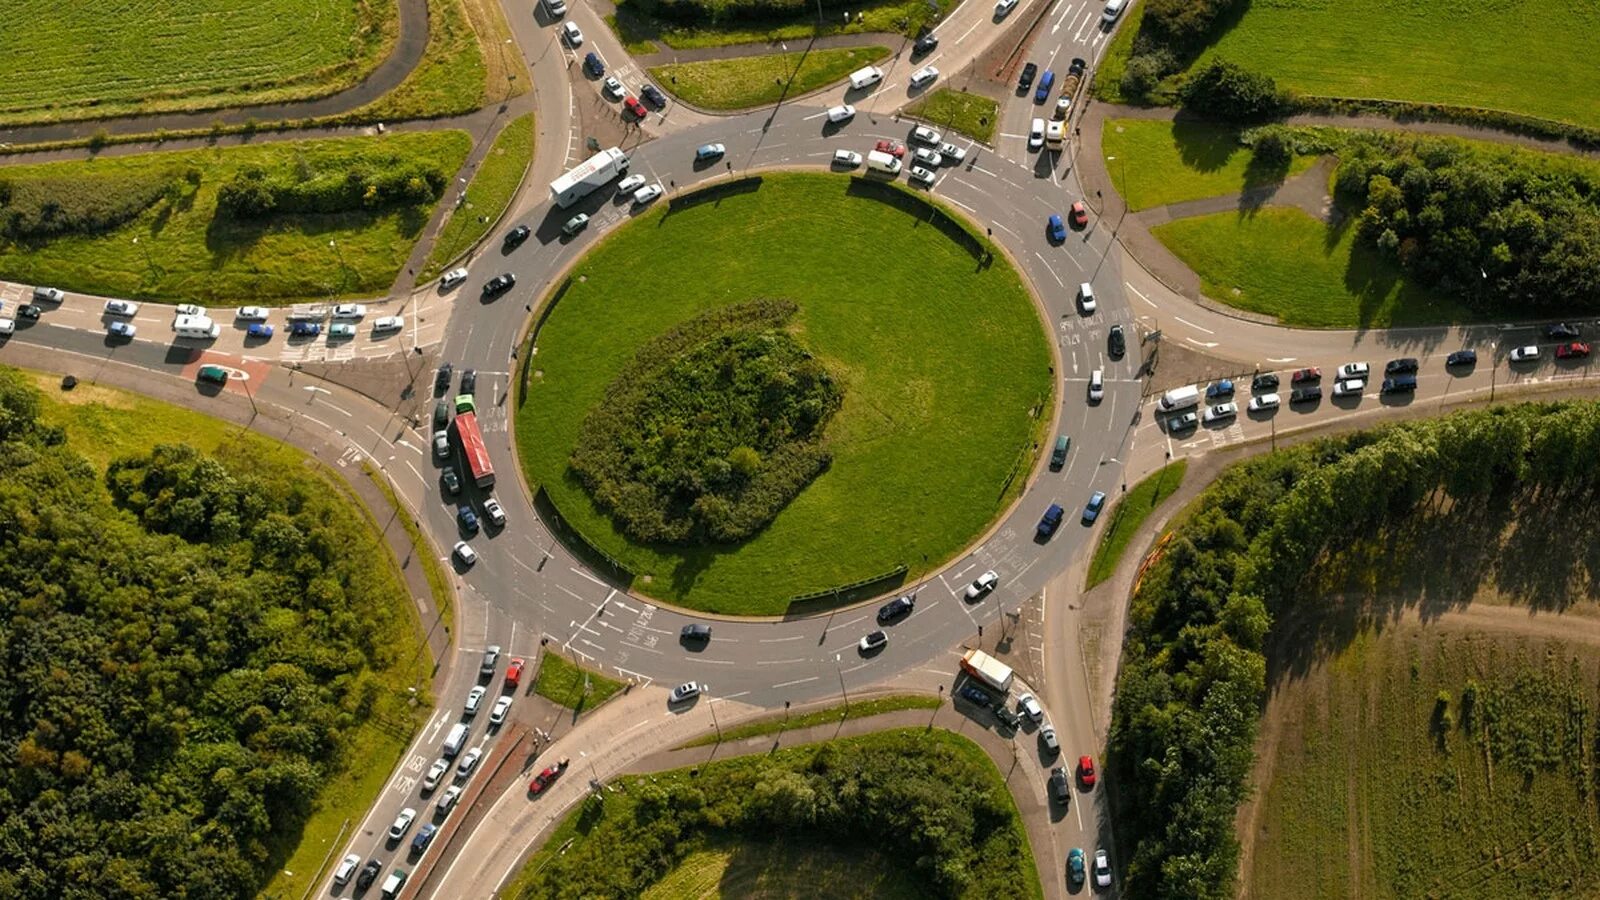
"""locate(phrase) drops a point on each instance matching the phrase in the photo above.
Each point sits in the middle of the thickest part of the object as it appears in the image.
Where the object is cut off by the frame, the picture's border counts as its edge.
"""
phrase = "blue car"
(1220, 390)
(469, 519)
(653, 96)
(976, 697)
(591, 62)
(709, 152)
(259, 330)
(1050, 521)
(305, 329)
(1097, 502)
(1055, 229)
(121, 330)
(1046, 81)
(424, 837)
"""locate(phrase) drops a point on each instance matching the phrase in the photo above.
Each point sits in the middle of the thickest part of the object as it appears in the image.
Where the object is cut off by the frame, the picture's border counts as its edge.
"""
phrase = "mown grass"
(859, 710)
(922, 290)
(563, 681)
(1283, 263)
(747, 81)
(792, 869)
(105, 423)
(1128, 515)
(635, 24)
(1107, 84)
(488, 195)
(974, 115)
(443, 597)
(1387, 780)
(66, 61)
(1464, 53)
(1158, 162)
(185, 251)
(635, 37)
(453, 76)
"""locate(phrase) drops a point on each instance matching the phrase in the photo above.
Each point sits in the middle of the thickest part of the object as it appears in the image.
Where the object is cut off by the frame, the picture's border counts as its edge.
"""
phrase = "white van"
(456, 740)
(883, 162)
(867, 77)
(1114, 8)
(1180, 398)
(196, 327)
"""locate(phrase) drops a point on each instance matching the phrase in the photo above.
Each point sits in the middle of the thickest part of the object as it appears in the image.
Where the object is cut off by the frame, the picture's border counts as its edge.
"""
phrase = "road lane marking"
(1193, 325)
(793, 683)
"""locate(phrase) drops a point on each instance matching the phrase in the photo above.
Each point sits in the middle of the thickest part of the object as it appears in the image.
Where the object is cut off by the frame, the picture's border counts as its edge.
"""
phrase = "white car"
(189, 309)
(347, 868)
(1097, 385)
(614, 88)
(631, 183)
(983, 584)
(497, 516)
(463, 551)
(1102, 869)
(475, 700)
(1525, 353)
(389, 323)
(1349, 387)
(1264, 401)
(1353, 370)
(435, 772)
(1047, 735)
(447, 281)
(48, 295)
(501, 707)
(841, 113)
(402, 823)
(1003, 7)
(924, 77)
(1221, 412)
(926, 135)
(573, 33)
(646, 194)
(1086, 298)
(468, 763)
(847, 158)
(1036, 134)
(447, 800)
(121, 308)
(441, 444)
(952, 153)
(260, 313)
(349, 311)
(929, 158)
(7, 326)
(921, 176)
(124, 330)
(684, 691)
(1029, 705)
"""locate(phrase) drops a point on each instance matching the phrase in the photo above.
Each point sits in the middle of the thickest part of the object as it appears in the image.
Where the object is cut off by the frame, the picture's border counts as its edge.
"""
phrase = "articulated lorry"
(987, 670)
(594, 173)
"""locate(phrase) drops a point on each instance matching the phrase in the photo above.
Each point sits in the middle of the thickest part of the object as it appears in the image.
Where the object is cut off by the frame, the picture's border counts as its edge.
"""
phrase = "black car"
(925, 44)
(1305, 395)
(1562, 331)
(1077, 67)
(1028, 71)
(1116, 345)
(1007, 718)
(441, 381)
(499, 284)
(1060, 788)
(452, 481)
(1264, 383)
(1400, 384)
(29, 311)
(896, 608)
(696, 632)
(1401, 366)
(653, 96)
(469, 381)
(369, 874)
(1462, 358)
(977, 697)
(517, 235)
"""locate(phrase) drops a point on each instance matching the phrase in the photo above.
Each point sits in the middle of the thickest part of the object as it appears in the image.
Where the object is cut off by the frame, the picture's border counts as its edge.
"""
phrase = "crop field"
(1530, 58)
(90, 60)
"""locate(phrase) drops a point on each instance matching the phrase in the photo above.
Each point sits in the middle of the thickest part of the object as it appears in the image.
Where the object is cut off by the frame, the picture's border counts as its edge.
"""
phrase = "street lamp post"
(711, 705)
(837, 667)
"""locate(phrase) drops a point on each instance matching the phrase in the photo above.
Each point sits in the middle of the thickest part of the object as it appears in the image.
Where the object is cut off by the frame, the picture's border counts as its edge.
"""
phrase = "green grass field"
(974, 115)
(1107, 84)
(563, 682)
(491, 190)
(1128, 515)
(635, 26)
(185, 251)
(794, 869)
(1375, 791)
(861, 709)
(1158, 162)
(747, 81)
(1284, 263)
(85, 60)
(915, 341)
(453, 76)
(1527, 58)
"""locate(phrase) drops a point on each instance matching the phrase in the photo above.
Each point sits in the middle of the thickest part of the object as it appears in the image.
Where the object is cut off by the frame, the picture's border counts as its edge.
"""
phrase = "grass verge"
(490, 192)
(453, 76)
(571, 685)
(1130, 513)
(781, 239)
(973, 115)
(635, 38)
(747, 81)
(794, 867)
(1284, 263)
(862, 709)
(1107, 85)
(438, 586)
(636, 24)
(1153, 163)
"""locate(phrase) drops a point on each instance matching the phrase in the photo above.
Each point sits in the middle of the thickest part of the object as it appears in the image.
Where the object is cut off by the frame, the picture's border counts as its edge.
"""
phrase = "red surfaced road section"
(240, 370)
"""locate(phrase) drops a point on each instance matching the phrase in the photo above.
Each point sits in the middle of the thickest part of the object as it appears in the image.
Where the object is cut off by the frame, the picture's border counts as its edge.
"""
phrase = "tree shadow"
(1204, 145)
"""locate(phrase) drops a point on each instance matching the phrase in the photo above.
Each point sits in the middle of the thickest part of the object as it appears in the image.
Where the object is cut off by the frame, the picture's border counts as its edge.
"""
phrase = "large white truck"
(987, 670)
(595, 172)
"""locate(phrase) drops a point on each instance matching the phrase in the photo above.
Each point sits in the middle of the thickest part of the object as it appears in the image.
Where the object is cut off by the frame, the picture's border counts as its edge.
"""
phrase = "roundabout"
(944, 370)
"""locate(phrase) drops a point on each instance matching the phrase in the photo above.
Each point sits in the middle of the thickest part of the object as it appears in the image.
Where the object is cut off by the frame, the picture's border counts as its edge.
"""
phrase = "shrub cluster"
(1171, 34)
(34, 208)
(252, 193)
(711, 429)
(1223, 90)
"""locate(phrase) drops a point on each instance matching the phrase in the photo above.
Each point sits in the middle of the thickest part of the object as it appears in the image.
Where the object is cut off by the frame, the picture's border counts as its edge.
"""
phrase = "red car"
(1573, 350)
(892, 148)
(1086, 771)
(514, 671)
(1309, 374)
(547, 777)
(635, 107)
(1080, 216)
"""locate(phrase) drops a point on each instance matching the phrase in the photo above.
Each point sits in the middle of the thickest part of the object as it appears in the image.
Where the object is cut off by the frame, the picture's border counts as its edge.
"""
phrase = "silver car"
(441, 444)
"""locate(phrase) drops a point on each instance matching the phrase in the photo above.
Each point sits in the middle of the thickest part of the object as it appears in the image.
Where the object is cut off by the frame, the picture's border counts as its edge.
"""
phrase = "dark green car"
(213, 374)
(1075, 870)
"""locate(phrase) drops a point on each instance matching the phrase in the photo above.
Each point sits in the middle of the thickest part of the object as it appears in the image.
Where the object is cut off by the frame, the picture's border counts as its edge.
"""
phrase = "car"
(1219, 390)
(575, 224)
(646, 194)
(474, 700)
(189, 309)
(435, 773)
(695, 632)
(684, 692)
(1266, 382)
(393, 884)
(1058, 453)
(653, 96)
(402, 823)
(121, 308)
(924, 177)
(630, 184)
(490, 661)
(926, 135)
(1400, 384)
(213, 374)
(441, 444)
(893, 148)
(349, 311)
(122, 330)
(516, 236)
(976, 696)
(613, 88)
(1311, 373)
(1400, 366)
(1353, 370)
(447, 800)
(1523, 354)
(1182, 422)
(48, 295)
(465, 554)
(1007, 718)
(30, 311)
(260, 331)
(369, 874)
(1063, 107)
(1097, 385)
(708, 152)
(1078, 214)
(952, 153)
(1026, 79)
(983, 584)
(467, 519)
(876, 640)
(1036, 134)
(1102, 869)
(452, 481)
(1002, 7)
(1050, 521)
(635, 108)
(593, 64)
(501, 708)
(1461, 358)
(1091, 510)
(928, 157)
(1221, 412)
(424, 837)
(841, 113)
(1060, 788)
(1047, 737)
(847, 158)
(1075, 870)
(894, 609)
(1349, 387)
(1305, 395)
(496, 514)
(347, 868)
(1041, 92)
(1086, 775)
(1562, 331)
(341, 331)
(305, 329)
(1116, 344)
(1055, 229)
(1572, 350)
(452, 278)
(1029, 706)
(384, 324)
(546, 777)
(573, 34)
(514, 670)
(1261, 402)
(925, 45)
(1086, 298)
(468, 763)
(499, 284)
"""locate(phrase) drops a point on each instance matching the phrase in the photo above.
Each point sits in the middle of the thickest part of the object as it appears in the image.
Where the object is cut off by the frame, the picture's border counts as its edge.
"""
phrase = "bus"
(473, 449)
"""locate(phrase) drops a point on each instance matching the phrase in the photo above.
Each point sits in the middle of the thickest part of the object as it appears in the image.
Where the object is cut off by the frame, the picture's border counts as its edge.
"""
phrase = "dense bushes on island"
(253, 193)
